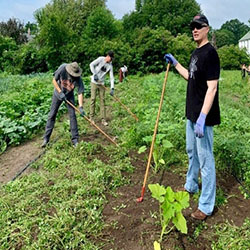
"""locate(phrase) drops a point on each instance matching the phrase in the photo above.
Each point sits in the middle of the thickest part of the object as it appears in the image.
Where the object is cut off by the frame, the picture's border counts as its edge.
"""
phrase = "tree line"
(81, 30)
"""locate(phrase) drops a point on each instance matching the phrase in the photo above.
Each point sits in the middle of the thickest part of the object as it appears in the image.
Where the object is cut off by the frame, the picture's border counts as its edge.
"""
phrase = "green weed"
(232, 237)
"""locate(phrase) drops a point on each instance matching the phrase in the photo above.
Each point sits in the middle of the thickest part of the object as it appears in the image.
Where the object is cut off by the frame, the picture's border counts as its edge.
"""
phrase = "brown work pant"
(94, 89)
(120, 75)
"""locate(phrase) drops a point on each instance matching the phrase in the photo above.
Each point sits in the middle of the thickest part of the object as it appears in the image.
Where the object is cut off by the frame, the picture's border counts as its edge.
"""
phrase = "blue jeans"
(200, 155)
(52, 117)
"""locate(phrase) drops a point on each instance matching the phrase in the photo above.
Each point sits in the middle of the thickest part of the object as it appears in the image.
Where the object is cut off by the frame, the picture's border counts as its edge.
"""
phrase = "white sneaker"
(104, 122)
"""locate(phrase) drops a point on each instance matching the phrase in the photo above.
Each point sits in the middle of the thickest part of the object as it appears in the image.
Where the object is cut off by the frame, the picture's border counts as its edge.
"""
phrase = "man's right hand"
(82, 113)
(170, 59)
(96, 78)
(62, 96)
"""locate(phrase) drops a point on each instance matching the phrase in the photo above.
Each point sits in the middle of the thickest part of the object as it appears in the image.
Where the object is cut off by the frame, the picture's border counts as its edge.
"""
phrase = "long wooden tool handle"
(155, 129)
(93, 124)
(118, 100)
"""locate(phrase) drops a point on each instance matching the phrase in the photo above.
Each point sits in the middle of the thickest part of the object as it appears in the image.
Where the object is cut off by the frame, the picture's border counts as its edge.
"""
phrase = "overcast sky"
(217, 11)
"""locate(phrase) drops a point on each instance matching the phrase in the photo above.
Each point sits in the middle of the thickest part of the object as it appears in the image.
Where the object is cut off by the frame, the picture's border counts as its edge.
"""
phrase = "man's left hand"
(112, 92)
(82, 113)
(199, 126)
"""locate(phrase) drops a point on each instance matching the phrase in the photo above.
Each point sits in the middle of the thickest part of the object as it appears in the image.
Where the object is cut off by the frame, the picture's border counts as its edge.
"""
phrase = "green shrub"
(231, 57)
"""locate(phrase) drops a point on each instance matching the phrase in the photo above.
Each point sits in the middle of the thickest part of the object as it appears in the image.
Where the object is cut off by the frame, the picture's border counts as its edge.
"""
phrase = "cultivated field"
(85, 198)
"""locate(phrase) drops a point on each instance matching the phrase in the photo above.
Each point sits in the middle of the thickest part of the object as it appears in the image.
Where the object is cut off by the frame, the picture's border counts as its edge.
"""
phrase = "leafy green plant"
(199, 229)
(142, 149)
(161, 149)
(171, 206)
(220, 199)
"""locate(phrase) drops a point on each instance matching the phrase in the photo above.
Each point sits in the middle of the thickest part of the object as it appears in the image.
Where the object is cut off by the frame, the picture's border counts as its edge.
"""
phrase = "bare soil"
(134, 226)
(14, 159)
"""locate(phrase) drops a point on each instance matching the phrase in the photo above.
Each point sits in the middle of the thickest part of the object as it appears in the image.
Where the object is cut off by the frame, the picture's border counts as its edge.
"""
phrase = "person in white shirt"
(99, 68)
(122, 73)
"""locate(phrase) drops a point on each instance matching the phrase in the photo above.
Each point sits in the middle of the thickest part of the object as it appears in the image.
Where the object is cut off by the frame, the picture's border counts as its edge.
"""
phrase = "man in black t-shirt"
(202, 112)
(66, 78)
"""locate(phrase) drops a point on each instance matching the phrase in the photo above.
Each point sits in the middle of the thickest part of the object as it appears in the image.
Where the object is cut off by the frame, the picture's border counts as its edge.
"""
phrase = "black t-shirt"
(66, 82)
(204, 66)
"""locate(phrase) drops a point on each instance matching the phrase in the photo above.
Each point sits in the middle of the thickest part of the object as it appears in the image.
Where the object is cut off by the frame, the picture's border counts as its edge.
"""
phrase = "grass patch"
(232, 237)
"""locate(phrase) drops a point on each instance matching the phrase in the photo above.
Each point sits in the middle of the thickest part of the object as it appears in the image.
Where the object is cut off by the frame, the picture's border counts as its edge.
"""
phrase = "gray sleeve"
(80, 86)
(111, 75)
(93, 65)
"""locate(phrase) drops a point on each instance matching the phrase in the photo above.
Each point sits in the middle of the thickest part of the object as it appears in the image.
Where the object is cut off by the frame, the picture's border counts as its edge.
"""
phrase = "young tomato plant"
(171, 205)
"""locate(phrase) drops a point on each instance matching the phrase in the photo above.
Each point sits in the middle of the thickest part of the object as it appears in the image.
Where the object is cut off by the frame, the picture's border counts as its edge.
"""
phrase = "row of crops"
(25, 103)
(24, 106)
(61, 206)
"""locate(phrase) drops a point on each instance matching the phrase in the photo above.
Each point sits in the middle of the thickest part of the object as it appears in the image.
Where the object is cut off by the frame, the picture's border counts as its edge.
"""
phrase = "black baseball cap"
(111, 54)
(200, 19)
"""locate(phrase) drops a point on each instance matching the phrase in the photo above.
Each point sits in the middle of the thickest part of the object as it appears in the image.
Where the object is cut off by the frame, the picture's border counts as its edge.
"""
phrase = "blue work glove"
(112, 92)
(96, 78)
(82, 113)
(199, 126)
(170, 59)
(62, 96)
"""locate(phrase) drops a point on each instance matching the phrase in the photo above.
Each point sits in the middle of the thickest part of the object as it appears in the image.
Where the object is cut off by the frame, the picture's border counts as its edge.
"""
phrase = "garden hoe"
(124, 106)
(92, 123)
(140, 199)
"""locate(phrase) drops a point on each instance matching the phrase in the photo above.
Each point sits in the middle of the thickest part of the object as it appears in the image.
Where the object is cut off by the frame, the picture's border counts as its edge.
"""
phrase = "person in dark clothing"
(202, 112)
(66, 78)
(243, 71)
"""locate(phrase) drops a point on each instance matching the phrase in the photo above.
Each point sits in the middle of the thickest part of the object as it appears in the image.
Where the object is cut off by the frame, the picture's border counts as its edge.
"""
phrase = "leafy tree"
(54, 35)
(60, 34)
(149, 47)
(7, 46)
(32, 27)
(15, 29)
(138, 5)
(101, 23)
(231, 57)
(101, 29)
(28, 59)
(223, 37)
(173, 15)
(182, 47)
(237, 28)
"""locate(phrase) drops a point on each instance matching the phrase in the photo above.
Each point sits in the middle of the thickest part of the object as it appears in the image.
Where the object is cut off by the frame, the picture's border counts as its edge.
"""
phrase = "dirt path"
(16, 158)
(135, 226)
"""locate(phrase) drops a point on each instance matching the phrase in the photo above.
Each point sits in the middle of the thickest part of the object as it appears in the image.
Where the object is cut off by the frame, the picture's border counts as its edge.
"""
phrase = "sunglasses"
(197, 26)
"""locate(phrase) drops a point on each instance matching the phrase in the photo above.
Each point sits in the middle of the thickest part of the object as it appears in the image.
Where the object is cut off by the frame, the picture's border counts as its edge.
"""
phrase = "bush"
(182, 47)
(231, 57)
(7, 46)
(148, 49)
(28, 60)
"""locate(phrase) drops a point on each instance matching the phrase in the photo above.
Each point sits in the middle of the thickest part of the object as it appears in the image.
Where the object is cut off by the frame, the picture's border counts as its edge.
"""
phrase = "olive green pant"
(94, 89)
